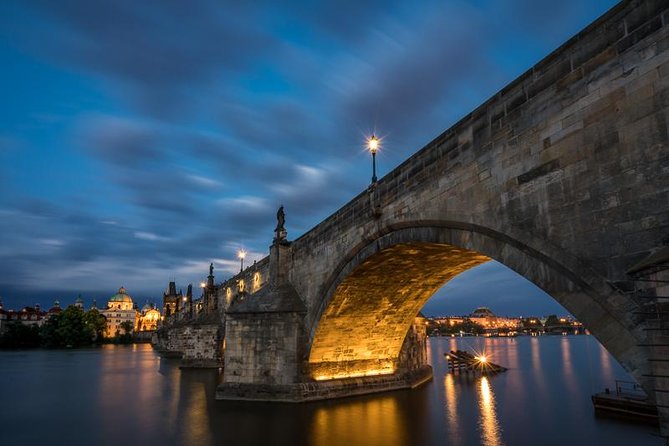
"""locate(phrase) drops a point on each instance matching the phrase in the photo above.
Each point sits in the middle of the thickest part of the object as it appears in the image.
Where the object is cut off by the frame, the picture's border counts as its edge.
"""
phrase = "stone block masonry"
(563, 176)
(196, 345)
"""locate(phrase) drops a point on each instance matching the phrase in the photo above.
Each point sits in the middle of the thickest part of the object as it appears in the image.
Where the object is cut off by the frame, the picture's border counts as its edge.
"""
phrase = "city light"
(241, 254)
(482, 359)
(202, 284)
(354, 374)
(373, 144)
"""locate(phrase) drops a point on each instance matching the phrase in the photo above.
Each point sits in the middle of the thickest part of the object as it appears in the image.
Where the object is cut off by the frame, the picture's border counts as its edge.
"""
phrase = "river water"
(128, 395)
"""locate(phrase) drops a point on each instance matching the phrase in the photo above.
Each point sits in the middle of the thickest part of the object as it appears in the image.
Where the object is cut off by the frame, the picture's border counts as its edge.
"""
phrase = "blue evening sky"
(141, 140)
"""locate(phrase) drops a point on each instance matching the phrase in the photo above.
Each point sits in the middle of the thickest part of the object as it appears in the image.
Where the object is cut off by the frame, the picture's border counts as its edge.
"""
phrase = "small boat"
(628, 401)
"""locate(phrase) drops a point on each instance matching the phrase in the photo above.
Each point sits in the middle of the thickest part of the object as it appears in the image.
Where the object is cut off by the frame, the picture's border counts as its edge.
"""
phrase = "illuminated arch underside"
(364, 325)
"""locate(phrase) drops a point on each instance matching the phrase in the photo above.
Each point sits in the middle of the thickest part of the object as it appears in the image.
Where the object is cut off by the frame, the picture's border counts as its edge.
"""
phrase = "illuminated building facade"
(120, 309)
(491, 322)
(149, 318)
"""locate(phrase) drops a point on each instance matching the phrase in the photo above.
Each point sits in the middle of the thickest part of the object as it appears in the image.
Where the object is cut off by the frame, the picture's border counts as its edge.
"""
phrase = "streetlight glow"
(373, 145)
(241, 254)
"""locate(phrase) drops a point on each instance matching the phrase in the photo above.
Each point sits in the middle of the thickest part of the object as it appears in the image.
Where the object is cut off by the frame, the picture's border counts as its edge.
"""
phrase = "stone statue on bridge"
(280, 229)
(211, 269)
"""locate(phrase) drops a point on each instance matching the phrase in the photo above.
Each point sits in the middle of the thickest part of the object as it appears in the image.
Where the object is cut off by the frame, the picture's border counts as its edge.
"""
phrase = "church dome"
(483, 312)
(121, 296)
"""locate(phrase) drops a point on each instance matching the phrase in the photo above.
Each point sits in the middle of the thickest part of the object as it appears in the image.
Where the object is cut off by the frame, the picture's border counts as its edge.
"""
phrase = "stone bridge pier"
(562, 176)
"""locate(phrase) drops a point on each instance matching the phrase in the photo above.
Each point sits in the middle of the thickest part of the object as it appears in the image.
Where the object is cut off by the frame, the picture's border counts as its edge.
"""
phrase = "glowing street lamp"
(373, 145)
(241, 254)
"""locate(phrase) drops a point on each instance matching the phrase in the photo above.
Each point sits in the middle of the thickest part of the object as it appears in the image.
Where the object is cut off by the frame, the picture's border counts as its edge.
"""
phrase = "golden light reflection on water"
(128, 379)
(491, 433)
(197, 413)
(451, 397)
(378, 421)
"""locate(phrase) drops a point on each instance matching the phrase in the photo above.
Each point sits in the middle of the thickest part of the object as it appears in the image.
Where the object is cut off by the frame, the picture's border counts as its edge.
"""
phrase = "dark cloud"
(159, 45)
(184, 125)
(121, 141)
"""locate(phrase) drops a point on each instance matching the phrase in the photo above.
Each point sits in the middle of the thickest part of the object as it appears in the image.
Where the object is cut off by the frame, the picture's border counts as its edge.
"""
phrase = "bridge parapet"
(562, 176)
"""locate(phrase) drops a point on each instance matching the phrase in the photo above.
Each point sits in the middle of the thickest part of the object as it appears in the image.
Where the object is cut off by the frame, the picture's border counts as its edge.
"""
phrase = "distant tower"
(170, 300)
(188, 306)
(94, 305)
(209, 291)
(79, 303)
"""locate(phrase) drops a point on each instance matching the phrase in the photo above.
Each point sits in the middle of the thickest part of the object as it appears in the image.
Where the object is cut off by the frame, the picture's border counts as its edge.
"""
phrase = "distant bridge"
(561, 176)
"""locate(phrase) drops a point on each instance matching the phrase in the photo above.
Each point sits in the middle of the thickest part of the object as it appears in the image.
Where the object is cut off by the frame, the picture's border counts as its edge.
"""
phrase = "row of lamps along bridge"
(373, 145)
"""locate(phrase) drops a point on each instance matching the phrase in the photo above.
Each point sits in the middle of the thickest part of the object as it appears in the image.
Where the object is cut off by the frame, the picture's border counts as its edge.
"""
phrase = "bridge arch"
(368, 304)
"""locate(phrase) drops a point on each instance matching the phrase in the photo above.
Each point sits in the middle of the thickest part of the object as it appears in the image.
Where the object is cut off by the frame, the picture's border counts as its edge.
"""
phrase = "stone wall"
(262, 348)
(198, 345)
(562, 176)
(413, 354)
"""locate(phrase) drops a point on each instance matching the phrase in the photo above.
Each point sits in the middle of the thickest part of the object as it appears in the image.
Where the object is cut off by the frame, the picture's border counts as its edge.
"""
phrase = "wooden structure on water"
(462, 361)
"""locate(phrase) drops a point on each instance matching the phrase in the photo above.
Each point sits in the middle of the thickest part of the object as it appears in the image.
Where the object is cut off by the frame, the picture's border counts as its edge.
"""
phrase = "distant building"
(120, 309)
(177, 306)
(149, 318)
(491, 322)
(28, 315)
(171, 300)
(55, 309)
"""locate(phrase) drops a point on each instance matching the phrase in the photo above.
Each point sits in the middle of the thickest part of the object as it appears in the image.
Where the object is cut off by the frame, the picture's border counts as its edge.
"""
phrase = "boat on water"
(628, 402)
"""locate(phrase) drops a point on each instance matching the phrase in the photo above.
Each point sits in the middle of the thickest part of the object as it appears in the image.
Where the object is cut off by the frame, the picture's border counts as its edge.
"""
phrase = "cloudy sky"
(141, 140)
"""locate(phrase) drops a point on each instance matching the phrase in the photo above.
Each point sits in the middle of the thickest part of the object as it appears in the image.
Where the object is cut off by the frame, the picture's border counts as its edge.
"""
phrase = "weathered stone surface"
(369, 315)
(197, 344)
(562, 176)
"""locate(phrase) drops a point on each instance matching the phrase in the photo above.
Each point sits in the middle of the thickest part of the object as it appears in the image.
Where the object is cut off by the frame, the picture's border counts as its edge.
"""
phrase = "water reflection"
(128, 395)
(605, 361)
(195, 417)
(537, 367)
(491, 433)
(378, 421)
(450, 393)
(567, 366)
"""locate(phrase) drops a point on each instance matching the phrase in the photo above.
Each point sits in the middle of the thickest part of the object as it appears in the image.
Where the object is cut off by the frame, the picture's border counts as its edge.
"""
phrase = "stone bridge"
(562, 176)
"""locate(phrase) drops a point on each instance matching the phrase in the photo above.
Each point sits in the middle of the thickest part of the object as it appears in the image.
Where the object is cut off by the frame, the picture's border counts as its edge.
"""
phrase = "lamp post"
(373, 146)
(241, 254)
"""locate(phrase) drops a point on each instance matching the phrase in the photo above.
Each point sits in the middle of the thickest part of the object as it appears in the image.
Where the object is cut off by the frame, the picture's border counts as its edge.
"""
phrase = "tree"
(19, 335)
(127, 326)
(96, 324)
(72, 329)
(67, 329)
(49, 332)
